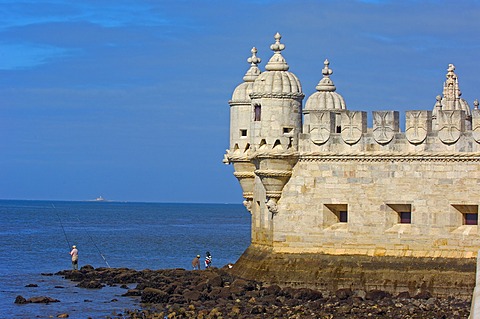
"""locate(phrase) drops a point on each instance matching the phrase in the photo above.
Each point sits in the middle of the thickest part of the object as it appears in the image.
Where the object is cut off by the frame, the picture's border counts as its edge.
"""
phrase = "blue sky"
(129, 99)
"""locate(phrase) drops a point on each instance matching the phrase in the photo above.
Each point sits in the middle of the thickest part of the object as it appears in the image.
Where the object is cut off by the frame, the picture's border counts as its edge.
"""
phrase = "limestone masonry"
(322, 186)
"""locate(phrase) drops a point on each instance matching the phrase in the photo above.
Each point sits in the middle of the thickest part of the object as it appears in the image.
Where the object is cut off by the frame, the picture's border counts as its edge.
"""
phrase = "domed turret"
(277, 81)
(240, 118)
(241, 94)
(325, 98)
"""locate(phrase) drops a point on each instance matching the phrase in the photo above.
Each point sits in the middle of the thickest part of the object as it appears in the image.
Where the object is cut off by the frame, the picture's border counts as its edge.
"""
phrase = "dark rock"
(60, 287)
(215, 281)
(273, 290)
(191, 295)
(90, 284)
(124, 286)
(42, 299)
(132, 292)
(423, 295)
(377, 295)
(20, 300)
(152, 295)
(344, 293)
(87, 268)
(46, 274)
(31, 285)
(403, 295)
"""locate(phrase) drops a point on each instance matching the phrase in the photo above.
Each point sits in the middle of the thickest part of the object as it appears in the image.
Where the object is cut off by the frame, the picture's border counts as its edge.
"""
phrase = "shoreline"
(217, 293)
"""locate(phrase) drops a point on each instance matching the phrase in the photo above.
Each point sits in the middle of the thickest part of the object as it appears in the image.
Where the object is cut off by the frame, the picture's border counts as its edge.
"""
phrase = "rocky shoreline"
(216, 293)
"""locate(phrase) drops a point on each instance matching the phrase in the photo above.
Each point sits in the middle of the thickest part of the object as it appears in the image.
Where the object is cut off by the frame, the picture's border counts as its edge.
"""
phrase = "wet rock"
(20, 300)
(343, 294)
(42, 299)
(152, 295)
(90, 284)
(63, 315)
(31, 285)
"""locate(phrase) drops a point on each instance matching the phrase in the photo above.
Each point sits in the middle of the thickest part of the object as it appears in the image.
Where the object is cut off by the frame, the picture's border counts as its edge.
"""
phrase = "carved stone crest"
(451, 124)
(321, 125)
(476, 125)
(354, 124)
(385, 125)
(418, 125)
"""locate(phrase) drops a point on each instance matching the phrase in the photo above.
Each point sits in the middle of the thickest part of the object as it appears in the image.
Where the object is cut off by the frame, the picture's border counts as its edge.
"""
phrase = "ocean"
(36, 238)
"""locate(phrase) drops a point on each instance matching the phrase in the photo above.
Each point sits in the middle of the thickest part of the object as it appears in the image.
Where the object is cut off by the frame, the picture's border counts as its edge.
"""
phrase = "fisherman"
(196, 263)
(208, 260)
(74, 254)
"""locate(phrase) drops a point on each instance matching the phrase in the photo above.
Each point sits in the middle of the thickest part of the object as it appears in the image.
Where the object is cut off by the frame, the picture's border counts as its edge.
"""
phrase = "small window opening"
(405, 217)
(338, 213)
(243, 133)
(247, 147)
(235, 148)
(469, 213)
(339, 129)
(277, 143)
(258, 112)
(287, 130)
(404, 212)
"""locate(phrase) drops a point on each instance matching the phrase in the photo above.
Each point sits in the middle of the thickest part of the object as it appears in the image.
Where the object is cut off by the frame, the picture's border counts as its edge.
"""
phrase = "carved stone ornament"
(418, 125)
(476, 125)
(248, 205)
(321, 124)
(451, 124)
(354, 124)
(385, 125)
(272, 206)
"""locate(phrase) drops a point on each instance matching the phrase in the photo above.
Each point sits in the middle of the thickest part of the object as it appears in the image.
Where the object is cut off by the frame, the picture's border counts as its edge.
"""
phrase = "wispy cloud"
(20, 56)
(106, 14)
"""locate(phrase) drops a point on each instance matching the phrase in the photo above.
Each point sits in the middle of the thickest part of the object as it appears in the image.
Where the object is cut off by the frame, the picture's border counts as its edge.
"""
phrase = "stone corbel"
(272, 205)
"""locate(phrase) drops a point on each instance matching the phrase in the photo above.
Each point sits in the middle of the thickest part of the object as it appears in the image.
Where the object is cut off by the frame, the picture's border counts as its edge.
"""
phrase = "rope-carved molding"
(272, 173)
(244, 174)
(386, 156)
(277, 95)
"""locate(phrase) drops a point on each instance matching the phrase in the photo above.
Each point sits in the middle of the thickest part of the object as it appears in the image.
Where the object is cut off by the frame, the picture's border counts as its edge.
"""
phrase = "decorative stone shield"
(385, 125)
(476, 125)
(321, 125)
(418, 125)
(354, 124)
(451, 124)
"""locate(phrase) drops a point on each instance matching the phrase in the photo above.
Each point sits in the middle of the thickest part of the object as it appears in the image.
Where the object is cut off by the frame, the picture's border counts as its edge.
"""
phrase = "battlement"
(346, 131)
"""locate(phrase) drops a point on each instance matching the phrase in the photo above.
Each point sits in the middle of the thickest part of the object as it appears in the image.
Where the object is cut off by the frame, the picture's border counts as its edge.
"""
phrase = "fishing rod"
(63, 228)
(93, 242)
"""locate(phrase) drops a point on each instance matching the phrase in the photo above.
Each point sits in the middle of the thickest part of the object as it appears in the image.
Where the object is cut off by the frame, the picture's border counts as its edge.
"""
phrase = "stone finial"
(475, 104)
(326, 84)
(438, 104)
(254, 71)
(277, 61)
(326, 71)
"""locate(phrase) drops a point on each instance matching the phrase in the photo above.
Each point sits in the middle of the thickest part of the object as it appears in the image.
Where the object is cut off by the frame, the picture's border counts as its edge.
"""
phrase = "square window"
(336, 213)
(469, 213)
(405, 217)
(243, 133)
(343, 217)
(471, 219)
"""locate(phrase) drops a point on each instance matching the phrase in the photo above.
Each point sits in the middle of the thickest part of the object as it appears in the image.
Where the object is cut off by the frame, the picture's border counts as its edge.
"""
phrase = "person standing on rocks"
(196, 263)
(74, 254)
(208, 260)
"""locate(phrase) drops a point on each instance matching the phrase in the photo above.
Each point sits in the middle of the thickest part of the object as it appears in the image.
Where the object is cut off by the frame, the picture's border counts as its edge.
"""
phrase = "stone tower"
(266, 121)
(336, 204)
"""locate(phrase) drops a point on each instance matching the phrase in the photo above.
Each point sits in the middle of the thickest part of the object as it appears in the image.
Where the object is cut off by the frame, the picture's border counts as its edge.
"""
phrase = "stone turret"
(240, 134)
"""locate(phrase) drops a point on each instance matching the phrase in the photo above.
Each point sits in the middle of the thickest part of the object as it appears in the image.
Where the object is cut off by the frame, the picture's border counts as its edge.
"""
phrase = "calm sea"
(36, 236)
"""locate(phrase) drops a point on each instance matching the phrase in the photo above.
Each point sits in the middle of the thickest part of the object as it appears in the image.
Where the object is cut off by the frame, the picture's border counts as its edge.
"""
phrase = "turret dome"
(325, 98)
(277, 81)
(242, 92)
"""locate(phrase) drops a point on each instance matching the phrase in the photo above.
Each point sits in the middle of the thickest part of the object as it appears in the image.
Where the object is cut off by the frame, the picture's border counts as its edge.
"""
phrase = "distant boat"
(99, 199)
